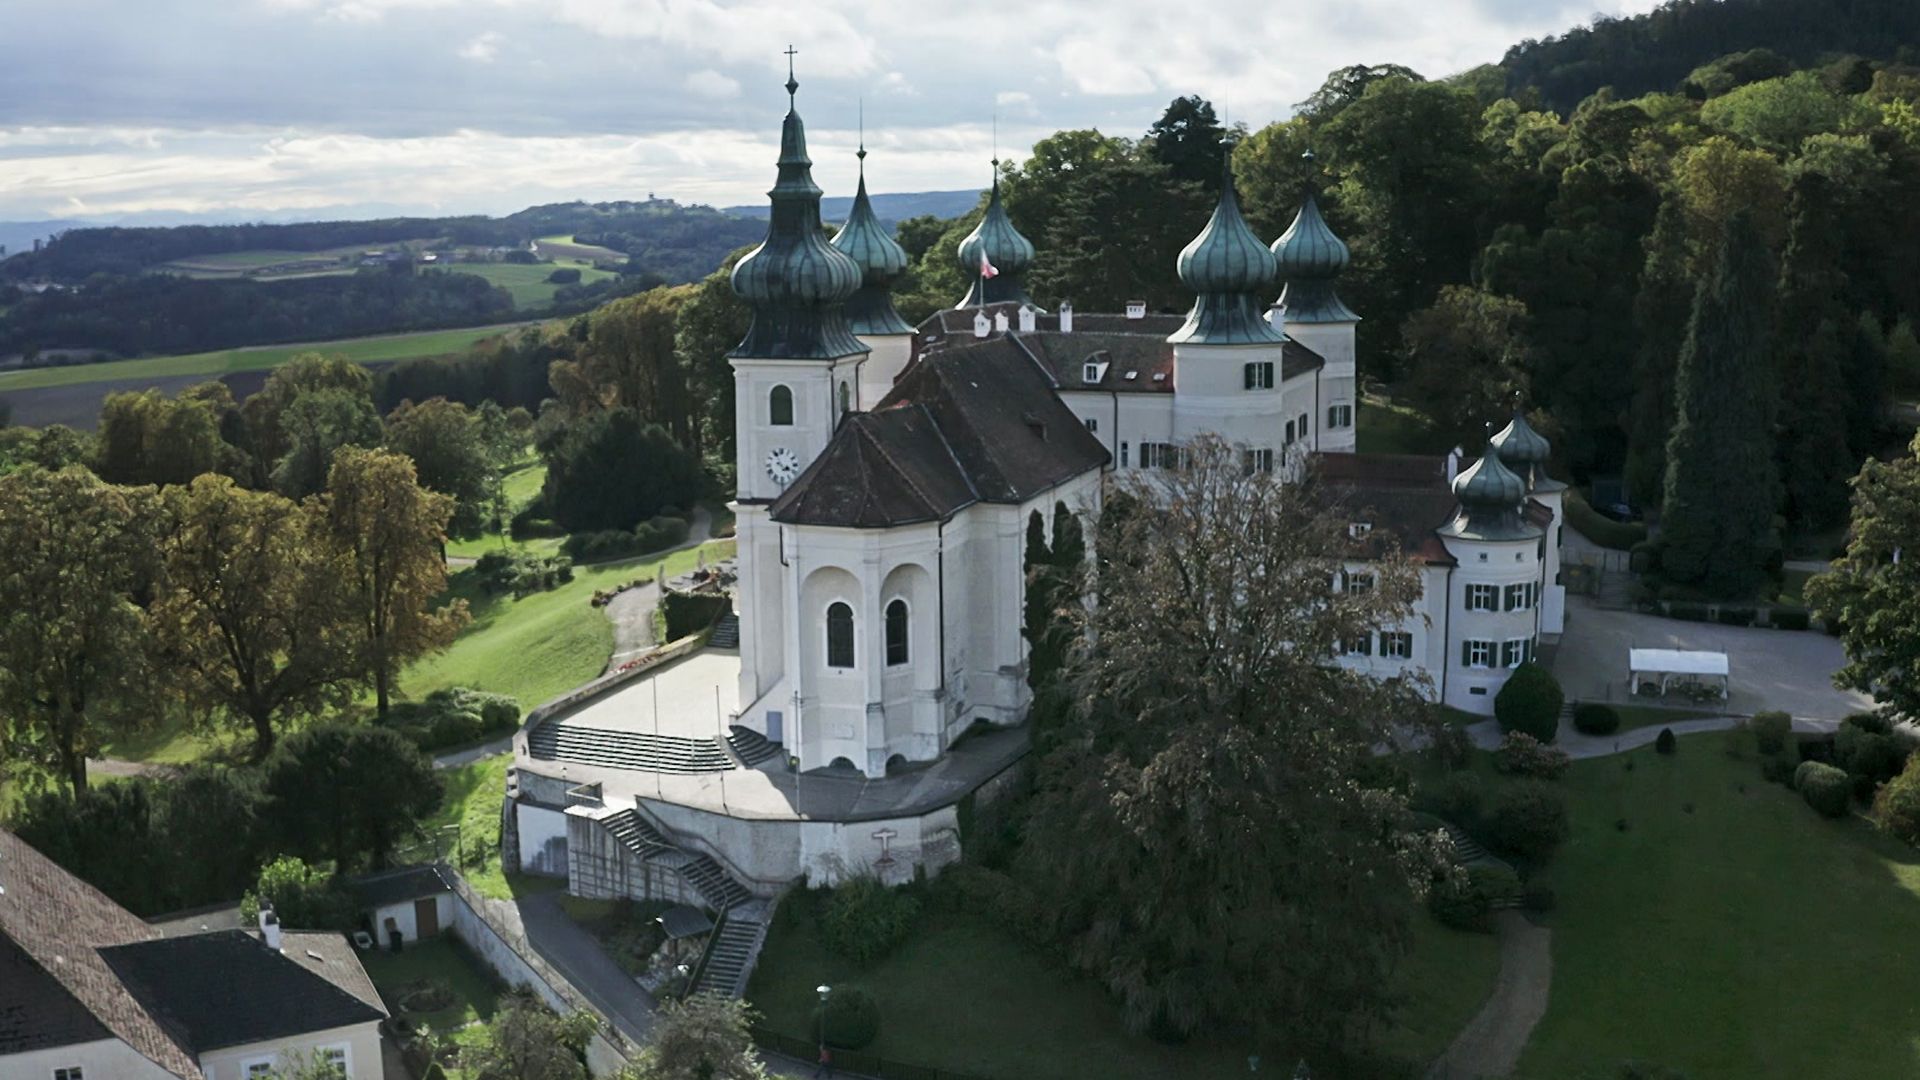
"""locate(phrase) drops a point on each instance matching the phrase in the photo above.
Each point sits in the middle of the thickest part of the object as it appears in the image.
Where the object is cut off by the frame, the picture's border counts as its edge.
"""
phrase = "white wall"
(1339, 383)
(543, 841)
(361, 1042)
(888, 358)
(109, 1059)
(1491, 563)
(405, 919)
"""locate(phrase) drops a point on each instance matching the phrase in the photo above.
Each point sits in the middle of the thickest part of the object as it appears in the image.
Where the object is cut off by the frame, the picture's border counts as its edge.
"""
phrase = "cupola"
(1230, 272)
(1490, 497)
(1527, 451)
(881, 260)
(796, 282)
(1007, 252)
(1309, 258)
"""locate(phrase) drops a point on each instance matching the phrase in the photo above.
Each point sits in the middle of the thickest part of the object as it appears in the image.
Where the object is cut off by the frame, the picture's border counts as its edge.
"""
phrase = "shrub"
(1465, 900)
(1776, 768)
(1770, 730)
(1530, 702)
(453, 716)
(1524, 755)
(690, 613)
(1737, 616)
(1593, 718)
(1665, 743)
(603, 545)
(521, 573)
(1789, 618)
(851, 1018)
(971, 889)
(1689, 612)
(1455, 797)
(659, 534)
(864, 920)
(566, 275)
(1826, 788)
(1870, 758)
(1872, 723)
(1528, 818)
(1538, 898)
(304, 897)
(1644, 558)
(1897, 807)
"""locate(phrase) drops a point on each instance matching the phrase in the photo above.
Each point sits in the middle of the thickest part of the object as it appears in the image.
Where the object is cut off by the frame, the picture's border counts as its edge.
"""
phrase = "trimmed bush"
(851, 1018)
(1826, 788)
(1776, 768)
(1897, 807)
(1528, 818)
(863, 920)
(1665, 743)
(1524, 755)
(1593, 718)
(521, 573)
(690, 613)
(1455, 797)
(1771, 730)
(1530, 702)
(1789, 618)
(1869, 757)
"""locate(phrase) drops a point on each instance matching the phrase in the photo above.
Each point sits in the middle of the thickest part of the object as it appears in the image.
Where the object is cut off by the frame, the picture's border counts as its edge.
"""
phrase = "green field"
(255, 358)
(540, 646)
(964, 994)
(528, 284)
(1726, 929)
(522, 484)
(563, 249)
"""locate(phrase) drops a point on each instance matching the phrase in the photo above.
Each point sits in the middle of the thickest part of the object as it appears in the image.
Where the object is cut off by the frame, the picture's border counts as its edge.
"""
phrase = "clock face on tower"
(782, 465)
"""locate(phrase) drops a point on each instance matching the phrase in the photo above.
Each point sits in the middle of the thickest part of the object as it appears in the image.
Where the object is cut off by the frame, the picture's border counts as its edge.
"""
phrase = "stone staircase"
(637, 834)
(1470, 852)
(715, 885)
(731, 952)
(726, 632)
(626, 749)
(750, 746)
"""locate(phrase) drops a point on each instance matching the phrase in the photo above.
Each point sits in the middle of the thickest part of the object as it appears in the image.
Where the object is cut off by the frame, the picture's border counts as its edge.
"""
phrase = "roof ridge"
(1020, 340)
(945, 444)
(905, 478)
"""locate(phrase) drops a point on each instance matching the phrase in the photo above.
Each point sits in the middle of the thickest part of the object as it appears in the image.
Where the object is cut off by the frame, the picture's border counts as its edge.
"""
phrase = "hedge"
(1826, 788)
(1770, 731)
(690, 613)
(1737, 616)
(1789, 618)
(607, 545)
(1593, 718)
(453, 717)
(1608, 533)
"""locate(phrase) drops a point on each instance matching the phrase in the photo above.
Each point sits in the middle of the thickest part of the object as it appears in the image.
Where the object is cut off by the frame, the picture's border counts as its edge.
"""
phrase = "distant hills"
(894, 207)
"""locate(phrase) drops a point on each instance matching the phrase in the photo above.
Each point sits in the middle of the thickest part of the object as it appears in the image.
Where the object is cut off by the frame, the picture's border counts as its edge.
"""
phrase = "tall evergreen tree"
(1659, 320)
(1815, 460)
(1717, 529)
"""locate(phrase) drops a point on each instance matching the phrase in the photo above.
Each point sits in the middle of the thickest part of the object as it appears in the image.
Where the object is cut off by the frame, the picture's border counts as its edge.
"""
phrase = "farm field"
(527, 283)
(563, 248)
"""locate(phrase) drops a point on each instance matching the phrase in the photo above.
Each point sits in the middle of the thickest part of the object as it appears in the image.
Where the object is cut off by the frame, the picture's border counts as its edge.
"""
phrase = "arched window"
(896, 633)
(846, 398)
(839, 635)
(780, 405)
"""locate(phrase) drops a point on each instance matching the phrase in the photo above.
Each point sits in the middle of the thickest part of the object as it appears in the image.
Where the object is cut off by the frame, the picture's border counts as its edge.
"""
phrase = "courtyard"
(1790, 670)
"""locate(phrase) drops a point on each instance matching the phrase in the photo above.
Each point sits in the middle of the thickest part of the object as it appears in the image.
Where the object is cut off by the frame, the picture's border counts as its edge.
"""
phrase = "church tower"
(1493, 606)
(793, 378)
(870, 311)
(1009, 253)
(1227, 358)
(1311, 257)
(1528, 451)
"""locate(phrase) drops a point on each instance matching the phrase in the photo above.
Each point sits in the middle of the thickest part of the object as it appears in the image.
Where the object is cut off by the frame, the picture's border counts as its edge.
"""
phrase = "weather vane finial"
(793, 84)
(862, 152)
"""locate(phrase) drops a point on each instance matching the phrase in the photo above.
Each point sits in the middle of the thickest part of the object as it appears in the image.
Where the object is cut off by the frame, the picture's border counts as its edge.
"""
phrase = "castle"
(886, 474)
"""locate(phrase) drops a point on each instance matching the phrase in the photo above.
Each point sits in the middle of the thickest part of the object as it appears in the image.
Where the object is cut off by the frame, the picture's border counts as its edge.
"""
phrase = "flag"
(986, 268)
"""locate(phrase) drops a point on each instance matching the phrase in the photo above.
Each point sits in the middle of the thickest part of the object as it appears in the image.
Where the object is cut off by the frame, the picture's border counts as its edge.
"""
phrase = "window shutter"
(1466, 654)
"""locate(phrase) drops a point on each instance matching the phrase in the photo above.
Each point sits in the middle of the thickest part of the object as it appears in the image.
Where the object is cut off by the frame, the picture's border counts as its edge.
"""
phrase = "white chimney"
(269, 927)
(1136, 309)
(981, 327)
(1000, 321)
(1453, 463)
(1066, 316)
(1026, 319)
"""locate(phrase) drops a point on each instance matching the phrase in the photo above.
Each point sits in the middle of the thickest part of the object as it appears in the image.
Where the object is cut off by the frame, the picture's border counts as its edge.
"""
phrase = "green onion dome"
(1310, 257)
(795, 281)
(1009, 253)
(1230, 271)
(1490, 495)
(1527, 451)
(870, 310)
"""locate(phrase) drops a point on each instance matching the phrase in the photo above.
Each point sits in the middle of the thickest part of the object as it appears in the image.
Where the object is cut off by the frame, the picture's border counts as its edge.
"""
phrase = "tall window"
(1477, 653)
(839, 635)
(1259, 375)
(1359, 584)
(1301, 427)
(780, 407)
(1483, 598)
(1257, 459)
(896, 633)
(1339, 416)
(1396, 643)
(1289, 436)
(1358, 646)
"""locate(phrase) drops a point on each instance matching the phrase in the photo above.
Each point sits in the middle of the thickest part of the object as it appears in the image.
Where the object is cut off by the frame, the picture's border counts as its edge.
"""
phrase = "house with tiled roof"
(88, 991)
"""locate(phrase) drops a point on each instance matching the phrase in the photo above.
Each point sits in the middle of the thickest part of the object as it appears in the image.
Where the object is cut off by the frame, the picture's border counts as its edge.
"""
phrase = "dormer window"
(1093, 371)
(1136, 309)
(1359, 529)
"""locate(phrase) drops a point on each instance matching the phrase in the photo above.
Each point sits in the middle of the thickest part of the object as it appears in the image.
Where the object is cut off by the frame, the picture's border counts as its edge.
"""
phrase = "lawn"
(565, 249)
(468, 989)
(472, 802)
(540, 646)
(1728, 930)
(173, 741)
(253, 358)
(522, 485)
(527, 282)
(965, 995)
(1637, 716)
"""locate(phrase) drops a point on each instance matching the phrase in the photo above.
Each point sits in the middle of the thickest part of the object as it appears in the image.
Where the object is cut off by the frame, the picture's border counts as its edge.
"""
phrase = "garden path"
(632, 611)
(1491, 1042)
(1486, 734)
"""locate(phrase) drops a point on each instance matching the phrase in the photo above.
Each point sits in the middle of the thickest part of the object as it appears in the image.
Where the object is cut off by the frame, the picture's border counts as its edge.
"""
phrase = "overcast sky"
(346, 107)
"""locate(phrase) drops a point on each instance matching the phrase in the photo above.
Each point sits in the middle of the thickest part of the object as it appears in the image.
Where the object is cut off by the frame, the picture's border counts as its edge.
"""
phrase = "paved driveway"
(1771, 669)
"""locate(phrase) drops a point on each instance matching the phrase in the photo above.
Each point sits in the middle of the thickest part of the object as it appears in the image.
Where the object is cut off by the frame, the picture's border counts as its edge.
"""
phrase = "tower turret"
(870, 310)
(1230, 272)
(1310, 258)
(1527, 451)
(1009, 253)
(1490, 495)
(796, 282)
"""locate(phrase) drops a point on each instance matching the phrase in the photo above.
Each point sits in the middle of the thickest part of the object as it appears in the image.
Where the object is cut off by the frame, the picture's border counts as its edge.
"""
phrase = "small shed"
(414, 901)
(1665, 667)
(683, 927)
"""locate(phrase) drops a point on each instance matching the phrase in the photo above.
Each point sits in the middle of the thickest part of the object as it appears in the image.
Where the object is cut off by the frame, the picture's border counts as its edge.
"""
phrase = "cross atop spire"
(862, 152)
(793, 84)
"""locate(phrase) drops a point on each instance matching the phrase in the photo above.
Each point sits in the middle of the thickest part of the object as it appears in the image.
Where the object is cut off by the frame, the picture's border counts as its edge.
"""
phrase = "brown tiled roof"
(976, 423)
(1404, 496)
(57, 923)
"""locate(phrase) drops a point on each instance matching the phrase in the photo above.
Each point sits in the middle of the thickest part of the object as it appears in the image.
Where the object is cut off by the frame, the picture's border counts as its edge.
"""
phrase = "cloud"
(708, 83)
(482, 49)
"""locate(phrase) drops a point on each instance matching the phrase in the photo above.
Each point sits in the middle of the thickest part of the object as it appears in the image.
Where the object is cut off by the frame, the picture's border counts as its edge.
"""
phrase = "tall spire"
(870, 310)
(1310, 258)
(795, 281)
(1009, 253)
(1230, 271)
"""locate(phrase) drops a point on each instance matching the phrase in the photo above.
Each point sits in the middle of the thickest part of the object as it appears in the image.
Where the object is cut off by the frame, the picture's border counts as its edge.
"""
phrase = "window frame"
(775, 397)
(1361, 582)
(1256, 459)
(902, 643)
(1482, 597)
(1474, 646)
(1257, 375)
(1339, 415)
(69, 1072)
(841, 644)
(1396, 644)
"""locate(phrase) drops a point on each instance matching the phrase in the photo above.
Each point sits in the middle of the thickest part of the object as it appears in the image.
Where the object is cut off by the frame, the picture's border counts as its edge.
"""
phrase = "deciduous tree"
(703, 1037)
(1873, 593)
(348, 794)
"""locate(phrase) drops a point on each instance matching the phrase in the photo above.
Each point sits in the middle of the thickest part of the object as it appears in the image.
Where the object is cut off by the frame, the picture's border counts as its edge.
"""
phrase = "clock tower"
(795, 376)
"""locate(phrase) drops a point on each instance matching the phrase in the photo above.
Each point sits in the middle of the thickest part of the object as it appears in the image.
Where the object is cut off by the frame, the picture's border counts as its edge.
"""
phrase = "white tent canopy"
(1686, 665)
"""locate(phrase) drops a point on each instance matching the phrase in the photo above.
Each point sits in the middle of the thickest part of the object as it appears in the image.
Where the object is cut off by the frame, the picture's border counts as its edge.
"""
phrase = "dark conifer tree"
(1717, 530)
(1659, 320)
(1815, 460)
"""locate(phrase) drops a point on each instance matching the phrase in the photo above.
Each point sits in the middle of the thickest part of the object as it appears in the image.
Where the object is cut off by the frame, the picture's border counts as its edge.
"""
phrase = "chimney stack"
(269, 927)
(1066, 316)
(981, 327)
(1136, 309)
(1453, 463)
(1026, 319)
